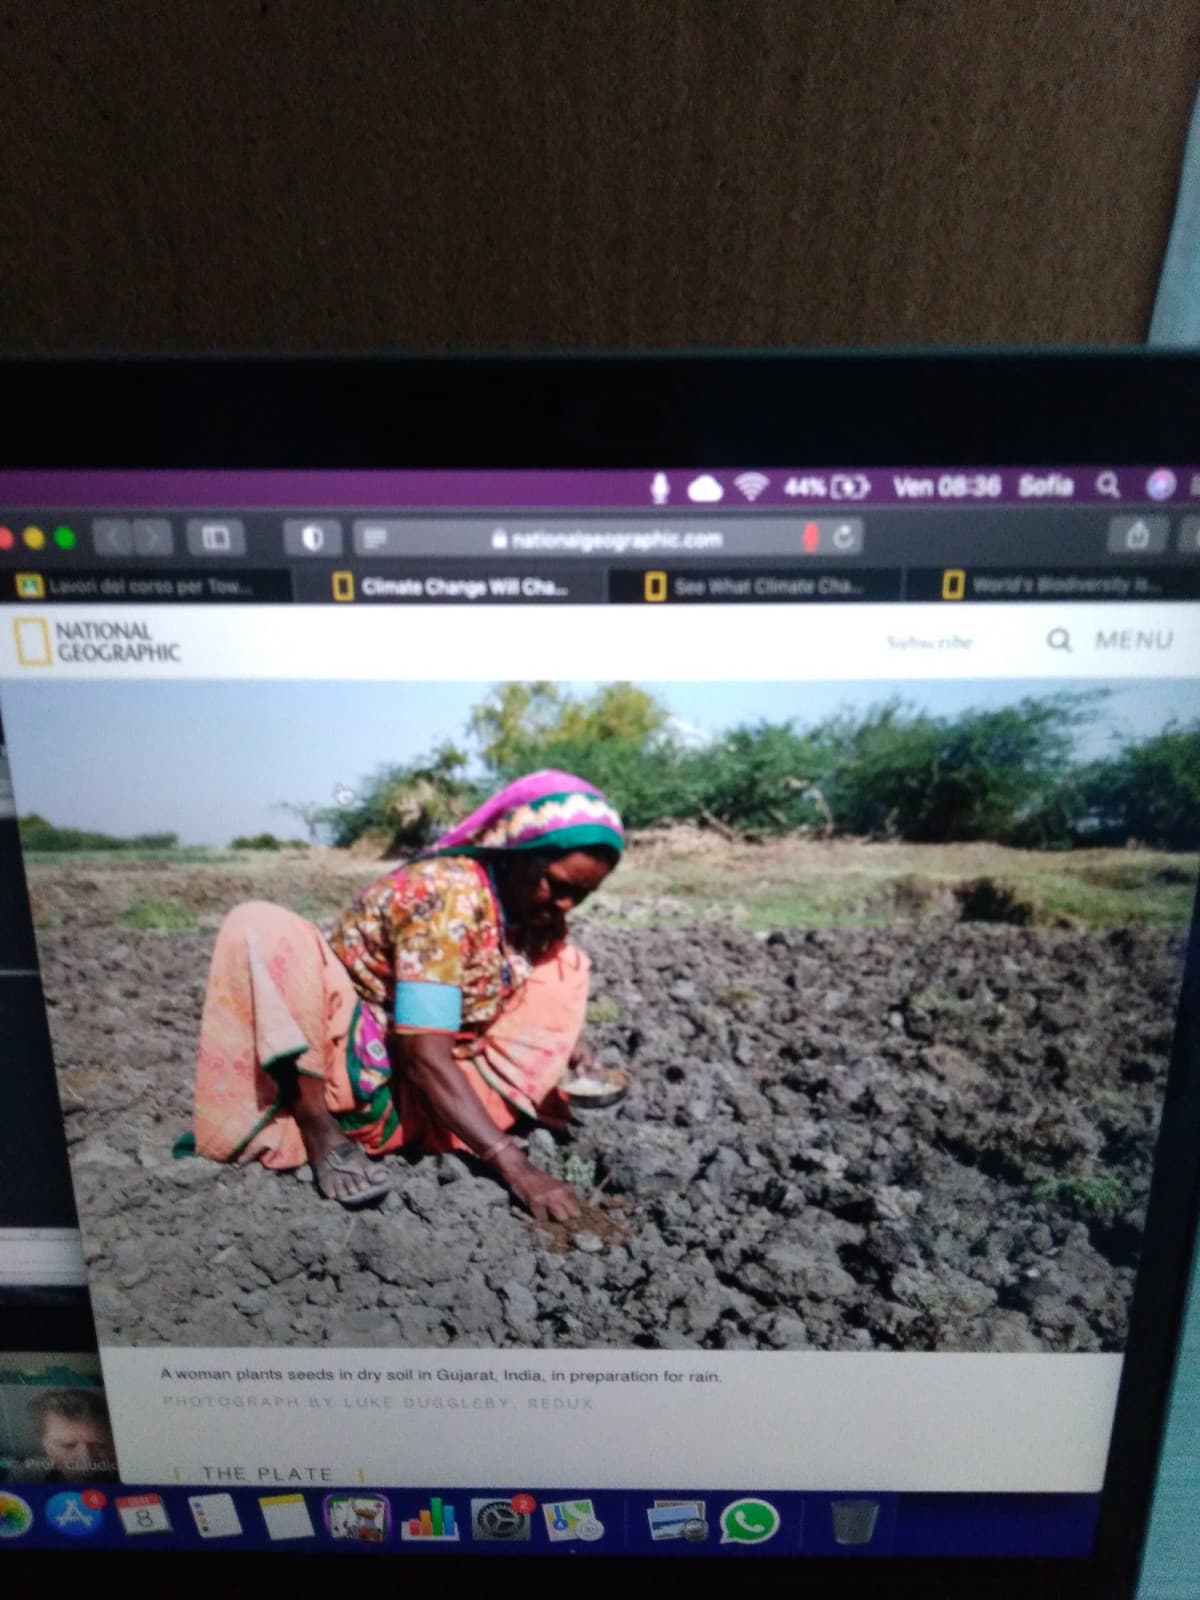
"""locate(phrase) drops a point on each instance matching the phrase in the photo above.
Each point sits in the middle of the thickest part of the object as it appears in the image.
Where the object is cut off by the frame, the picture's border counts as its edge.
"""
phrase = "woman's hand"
(546, 1198)
(428, 1061)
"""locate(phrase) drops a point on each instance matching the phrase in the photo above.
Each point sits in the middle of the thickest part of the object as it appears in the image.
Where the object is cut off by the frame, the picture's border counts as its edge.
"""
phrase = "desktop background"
(894, 979)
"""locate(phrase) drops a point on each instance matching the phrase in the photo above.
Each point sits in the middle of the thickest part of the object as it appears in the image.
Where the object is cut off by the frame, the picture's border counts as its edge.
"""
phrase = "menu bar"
(676, 487)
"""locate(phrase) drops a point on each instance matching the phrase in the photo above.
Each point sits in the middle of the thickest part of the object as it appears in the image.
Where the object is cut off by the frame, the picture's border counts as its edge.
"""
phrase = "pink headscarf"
(545, 809)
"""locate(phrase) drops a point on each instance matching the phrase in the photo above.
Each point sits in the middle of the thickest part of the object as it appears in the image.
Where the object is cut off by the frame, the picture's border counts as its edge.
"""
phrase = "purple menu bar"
(689, 489)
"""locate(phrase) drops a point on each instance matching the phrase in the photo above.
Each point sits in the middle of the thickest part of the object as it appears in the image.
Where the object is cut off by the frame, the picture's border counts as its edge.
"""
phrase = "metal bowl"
(594, 1089)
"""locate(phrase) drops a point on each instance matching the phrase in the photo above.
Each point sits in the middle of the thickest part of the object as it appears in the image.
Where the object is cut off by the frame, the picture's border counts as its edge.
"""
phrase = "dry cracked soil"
(929, 1135)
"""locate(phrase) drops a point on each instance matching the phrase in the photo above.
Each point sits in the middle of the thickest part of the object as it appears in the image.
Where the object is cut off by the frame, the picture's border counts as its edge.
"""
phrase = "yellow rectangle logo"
(33, 642)
(30, 586)
(954, 583)
(655, 588)
(343, 586)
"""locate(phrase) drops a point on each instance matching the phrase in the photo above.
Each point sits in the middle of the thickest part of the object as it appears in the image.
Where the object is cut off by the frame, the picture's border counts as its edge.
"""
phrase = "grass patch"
(186, 855)
(603, 1011)
(795, 883)
(153, 913)
(1147, 904)
(1105, 1198)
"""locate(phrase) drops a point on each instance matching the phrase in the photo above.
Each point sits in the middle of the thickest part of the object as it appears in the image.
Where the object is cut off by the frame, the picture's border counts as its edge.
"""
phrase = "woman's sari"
(423, 949)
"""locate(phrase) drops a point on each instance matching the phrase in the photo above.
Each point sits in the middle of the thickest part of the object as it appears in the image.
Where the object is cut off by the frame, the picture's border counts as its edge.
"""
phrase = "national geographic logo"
(32, 637)
(99, 643)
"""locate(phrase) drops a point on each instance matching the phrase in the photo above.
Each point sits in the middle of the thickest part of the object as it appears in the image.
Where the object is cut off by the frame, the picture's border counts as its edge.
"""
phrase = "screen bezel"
(903, 408)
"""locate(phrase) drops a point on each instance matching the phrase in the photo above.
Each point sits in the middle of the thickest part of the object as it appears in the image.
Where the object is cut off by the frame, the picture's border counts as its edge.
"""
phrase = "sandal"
(336, 1161)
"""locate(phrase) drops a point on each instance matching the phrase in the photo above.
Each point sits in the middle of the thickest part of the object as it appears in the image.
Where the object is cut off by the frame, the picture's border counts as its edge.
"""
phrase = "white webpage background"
(889, 643)
(775, 1419)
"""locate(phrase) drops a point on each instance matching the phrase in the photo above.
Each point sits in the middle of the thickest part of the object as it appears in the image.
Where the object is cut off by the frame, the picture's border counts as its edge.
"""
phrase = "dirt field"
(917, 1132)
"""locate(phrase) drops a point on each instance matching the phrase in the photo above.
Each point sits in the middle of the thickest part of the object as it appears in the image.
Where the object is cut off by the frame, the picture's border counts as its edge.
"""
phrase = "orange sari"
(278, 995)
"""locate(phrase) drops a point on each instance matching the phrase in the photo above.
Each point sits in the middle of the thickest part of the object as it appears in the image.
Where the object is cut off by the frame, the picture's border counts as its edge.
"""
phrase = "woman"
(447, 1003)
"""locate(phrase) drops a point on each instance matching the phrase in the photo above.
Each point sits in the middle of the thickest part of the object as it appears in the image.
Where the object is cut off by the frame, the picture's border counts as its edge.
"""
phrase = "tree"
(307, 812)
(405, 807)
(513, 716)
(984, 774)
(523, 726)
(1149, 791)
(1010, 774)
(761, 778)
(615, 711)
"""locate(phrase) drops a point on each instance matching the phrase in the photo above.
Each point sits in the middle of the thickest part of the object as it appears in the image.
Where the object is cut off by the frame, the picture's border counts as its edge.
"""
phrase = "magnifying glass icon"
(1059, 639)
(1106, 483)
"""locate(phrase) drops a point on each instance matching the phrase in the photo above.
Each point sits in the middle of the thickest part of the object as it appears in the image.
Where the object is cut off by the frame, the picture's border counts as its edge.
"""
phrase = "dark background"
(434, 174)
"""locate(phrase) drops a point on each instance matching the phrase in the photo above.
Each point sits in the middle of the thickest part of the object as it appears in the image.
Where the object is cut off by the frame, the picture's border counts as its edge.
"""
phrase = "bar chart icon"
(435, 1523)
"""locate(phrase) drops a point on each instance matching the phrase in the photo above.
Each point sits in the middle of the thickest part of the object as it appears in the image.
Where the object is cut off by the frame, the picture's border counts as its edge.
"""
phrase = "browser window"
(658, 984)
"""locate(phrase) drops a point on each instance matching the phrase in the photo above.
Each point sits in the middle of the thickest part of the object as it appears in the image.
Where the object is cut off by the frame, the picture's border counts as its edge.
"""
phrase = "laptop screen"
(607, 1012)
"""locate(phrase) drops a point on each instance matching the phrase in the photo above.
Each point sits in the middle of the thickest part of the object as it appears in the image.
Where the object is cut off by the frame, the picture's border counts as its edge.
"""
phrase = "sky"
(211, 760)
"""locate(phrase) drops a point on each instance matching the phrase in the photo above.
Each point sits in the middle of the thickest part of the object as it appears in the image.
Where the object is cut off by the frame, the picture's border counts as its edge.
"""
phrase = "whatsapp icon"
(748, 1522)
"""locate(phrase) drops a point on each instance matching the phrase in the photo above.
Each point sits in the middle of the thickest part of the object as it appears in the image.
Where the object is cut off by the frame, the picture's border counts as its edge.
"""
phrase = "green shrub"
(38, 834)
(1007, 775)
(1104, 1198)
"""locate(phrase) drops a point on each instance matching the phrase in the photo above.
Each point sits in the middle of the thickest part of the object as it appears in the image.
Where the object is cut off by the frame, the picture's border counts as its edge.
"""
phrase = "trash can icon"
(854, 1521)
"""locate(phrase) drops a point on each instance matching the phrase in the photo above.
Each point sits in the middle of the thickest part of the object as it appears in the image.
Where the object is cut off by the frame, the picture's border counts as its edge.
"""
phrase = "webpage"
(808, 1206)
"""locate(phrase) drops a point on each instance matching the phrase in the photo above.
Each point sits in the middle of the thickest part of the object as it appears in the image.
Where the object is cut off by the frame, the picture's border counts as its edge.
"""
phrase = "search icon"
(1059, 639)
(1106, 483)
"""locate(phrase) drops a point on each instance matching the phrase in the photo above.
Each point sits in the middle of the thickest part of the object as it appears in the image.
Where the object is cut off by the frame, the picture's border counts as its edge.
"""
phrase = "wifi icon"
(751, 484)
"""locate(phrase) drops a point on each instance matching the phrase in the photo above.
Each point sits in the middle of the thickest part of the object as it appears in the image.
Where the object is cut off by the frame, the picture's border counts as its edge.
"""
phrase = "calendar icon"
(143, 1513)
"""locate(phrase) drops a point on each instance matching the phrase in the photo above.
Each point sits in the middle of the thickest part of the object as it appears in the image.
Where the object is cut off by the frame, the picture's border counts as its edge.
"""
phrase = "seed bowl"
(594, 1089)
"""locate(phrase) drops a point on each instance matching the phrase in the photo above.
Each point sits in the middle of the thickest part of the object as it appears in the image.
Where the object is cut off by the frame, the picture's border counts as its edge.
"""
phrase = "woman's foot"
(341, 1168)
(344, 1174)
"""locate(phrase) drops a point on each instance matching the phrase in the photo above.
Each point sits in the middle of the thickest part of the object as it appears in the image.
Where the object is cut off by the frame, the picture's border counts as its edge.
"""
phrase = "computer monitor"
(599, 949)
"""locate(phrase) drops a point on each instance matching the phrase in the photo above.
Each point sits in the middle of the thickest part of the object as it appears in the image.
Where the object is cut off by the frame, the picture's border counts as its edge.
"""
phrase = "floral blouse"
(425, 945)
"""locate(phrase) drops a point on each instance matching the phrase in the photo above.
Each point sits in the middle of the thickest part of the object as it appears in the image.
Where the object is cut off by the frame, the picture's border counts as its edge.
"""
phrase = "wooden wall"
(440, 174)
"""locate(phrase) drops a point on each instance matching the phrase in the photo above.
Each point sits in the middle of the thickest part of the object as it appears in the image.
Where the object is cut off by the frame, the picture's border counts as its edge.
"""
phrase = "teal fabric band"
(436, 1006)
(576, 837)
